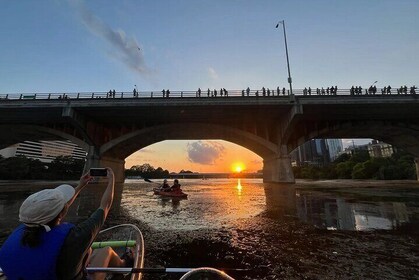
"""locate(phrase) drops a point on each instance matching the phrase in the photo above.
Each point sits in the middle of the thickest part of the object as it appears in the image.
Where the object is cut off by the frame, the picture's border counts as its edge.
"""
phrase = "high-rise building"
(45, 151)
(317, 152)
(380, 149)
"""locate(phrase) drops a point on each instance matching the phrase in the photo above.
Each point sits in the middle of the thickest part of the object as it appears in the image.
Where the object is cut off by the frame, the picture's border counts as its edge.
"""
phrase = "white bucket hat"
(42, 207)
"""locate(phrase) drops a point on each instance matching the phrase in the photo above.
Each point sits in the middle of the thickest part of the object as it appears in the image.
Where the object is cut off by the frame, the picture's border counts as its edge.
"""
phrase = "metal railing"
(204, 94)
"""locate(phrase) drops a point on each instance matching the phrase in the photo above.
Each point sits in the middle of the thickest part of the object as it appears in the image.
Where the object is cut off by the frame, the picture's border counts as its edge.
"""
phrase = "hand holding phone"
(98, 172)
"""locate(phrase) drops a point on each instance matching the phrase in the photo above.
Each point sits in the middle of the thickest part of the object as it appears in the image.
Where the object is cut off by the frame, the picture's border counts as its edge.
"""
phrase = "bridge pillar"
(95, 160)
(278, 169)
(417, 168)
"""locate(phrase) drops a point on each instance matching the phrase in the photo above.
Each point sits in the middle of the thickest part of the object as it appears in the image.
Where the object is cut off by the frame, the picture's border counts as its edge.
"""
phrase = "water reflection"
(333, 212)
(239, 188)
(344, 214)
(173, 201)
(220, 203)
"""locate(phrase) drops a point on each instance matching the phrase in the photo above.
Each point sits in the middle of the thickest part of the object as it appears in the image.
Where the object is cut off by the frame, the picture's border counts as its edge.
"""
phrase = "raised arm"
(107, 196)
(84, 180)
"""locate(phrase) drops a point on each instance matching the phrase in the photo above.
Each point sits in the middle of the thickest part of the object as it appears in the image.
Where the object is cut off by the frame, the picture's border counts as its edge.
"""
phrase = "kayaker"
(176, 186)
(165, 186)
(43, 247)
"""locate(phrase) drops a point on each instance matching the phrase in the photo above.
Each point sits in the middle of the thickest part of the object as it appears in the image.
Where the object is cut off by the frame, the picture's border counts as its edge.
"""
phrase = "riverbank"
(285, 249)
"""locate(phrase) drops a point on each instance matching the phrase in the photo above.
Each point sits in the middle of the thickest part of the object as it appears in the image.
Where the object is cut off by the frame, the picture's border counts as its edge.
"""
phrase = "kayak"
(120, 238)
(204, 273)
(179, 194)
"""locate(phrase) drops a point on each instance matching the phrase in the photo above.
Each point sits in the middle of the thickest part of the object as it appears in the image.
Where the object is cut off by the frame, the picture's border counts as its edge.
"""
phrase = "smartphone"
(98, 172)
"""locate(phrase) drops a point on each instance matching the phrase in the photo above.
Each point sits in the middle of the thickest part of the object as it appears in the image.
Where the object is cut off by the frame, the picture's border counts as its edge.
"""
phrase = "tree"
(344, 170)
(65, 167)
(360, 156)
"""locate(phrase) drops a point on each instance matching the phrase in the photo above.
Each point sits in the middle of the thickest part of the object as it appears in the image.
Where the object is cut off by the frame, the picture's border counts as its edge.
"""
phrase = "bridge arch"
(127, 144)
(399, 134)
(114, 152)
(19, 133)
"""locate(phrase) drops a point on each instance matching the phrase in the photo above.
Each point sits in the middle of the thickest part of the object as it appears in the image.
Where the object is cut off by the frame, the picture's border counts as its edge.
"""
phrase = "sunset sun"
(238, 167)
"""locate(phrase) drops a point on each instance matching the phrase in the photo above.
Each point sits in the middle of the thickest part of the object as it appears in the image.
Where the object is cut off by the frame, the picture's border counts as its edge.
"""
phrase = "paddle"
(123, 270)
(149, 181)
(152, 269)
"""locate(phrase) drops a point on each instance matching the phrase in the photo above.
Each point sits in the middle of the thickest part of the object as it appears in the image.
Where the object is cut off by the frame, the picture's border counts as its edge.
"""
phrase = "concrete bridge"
(110, 127)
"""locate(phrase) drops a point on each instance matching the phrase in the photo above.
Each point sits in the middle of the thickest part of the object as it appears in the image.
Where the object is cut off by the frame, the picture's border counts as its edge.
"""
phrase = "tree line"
(23, 168)
(359, 165)
(146, 171)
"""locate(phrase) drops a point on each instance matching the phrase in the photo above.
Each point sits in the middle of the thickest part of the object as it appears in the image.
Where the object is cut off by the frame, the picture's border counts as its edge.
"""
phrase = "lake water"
(218, 203)
(309, 230)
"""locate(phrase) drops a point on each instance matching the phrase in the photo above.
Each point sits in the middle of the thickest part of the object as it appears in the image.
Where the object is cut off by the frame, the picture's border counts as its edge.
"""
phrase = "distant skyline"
(77, 46)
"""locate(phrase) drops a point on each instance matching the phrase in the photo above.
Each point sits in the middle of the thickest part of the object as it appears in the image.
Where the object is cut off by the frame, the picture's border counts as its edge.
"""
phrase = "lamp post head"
(277, 25)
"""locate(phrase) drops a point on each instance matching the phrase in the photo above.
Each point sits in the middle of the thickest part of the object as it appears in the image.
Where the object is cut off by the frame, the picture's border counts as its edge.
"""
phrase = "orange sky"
(202, 156)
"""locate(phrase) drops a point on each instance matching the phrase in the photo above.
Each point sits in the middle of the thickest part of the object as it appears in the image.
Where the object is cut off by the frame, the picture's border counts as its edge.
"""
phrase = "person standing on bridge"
(43, 247)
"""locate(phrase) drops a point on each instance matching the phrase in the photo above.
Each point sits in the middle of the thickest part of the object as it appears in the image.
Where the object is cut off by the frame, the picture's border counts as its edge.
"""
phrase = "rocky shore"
(269, 248)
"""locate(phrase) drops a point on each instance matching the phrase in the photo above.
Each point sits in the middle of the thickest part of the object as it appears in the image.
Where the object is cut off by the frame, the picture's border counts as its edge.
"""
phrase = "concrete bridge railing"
(206, 93)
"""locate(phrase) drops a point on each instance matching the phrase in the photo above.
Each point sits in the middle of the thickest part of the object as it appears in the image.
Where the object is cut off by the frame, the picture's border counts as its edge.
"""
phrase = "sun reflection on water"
(239, 188)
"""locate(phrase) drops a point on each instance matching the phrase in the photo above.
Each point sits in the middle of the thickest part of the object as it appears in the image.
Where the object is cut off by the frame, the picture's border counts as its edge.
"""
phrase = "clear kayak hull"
(120, 238)
(204, 273)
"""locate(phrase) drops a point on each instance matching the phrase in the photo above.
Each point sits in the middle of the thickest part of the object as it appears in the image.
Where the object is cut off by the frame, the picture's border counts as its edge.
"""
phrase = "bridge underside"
(111, 130)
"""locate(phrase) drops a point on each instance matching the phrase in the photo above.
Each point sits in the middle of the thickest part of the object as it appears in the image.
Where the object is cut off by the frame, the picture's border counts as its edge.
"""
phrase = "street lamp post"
(286, 51)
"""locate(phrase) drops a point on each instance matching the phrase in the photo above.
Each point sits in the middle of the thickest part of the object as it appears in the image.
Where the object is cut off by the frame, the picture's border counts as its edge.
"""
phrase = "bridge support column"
(95, 160)
(278, 169)
(417, 168)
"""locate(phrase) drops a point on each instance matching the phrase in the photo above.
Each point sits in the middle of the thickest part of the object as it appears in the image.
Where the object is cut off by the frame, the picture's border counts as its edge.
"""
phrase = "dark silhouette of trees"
(23, 168)
(147, 171)
(399, 166)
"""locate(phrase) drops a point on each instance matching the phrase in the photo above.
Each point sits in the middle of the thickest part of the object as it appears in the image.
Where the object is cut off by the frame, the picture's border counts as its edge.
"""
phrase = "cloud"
(147, 150)
(204, 152)
(211, 72)
(124, 48)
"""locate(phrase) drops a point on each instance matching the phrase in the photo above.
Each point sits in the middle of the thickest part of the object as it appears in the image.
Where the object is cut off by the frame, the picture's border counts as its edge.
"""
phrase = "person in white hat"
(44, 248)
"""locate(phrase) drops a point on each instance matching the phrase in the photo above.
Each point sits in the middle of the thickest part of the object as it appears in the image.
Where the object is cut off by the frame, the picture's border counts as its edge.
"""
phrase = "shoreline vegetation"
(400, 166)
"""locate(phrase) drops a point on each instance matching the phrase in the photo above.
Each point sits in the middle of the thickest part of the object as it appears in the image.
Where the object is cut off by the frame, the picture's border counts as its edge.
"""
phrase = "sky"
(75, 46)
